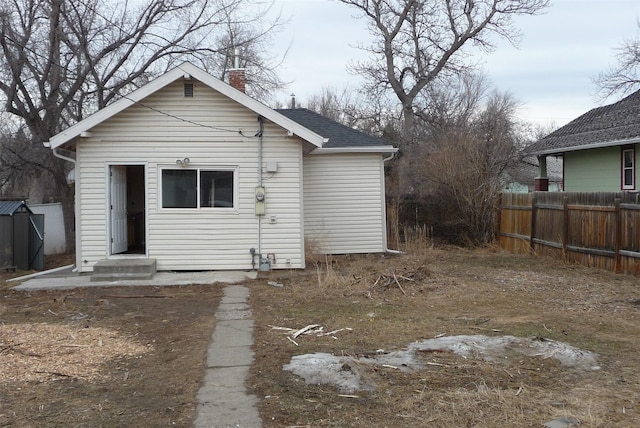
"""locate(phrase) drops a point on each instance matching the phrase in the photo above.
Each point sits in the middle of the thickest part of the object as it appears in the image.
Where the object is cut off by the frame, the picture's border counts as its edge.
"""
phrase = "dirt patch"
(104, 357)
(538, 316)
(43, 352)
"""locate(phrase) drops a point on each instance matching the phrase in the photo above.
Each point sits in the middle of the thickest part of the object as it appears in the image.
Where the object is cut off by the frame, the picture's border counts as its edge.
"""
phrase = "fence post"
(497, 219)
(565, 228)
(534, 200)
(617, 238)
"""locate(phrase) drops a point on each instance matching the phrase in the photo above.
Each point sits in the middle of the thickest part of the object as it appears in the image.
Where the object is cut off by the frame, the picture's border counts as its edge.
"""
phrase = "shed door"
(118, 205)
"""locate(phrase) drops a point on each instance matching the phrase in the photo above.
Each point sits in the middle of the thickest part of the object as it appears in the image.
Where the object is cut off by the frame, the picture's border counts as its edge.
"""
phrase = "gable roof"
(12, 207)
(185, 70)
(611, 125)
(340, 137)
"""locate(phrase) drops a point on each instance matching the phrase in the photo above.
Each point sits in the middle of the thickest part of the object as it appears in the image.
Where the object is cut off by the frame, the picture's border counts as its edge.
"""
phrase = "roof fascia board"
(589, 146)
(293, 128)
(370, 149)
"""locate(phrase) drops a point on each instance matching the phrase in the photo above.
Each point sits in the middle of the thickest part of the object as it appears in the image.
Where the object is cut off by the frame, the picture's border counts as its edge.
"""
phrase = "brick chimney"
(237, 77)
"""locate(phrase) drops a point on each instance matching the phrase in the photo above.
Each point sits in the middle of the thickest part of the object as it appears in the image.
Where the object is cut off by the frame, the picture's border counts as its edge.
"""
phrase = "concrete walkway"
(223, 401)
(64, 281)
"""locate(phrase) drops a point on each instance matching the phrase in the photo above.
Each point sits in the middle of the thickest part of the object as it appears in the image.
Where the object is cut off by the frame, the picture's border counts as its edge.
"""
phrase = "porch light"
(183, 162)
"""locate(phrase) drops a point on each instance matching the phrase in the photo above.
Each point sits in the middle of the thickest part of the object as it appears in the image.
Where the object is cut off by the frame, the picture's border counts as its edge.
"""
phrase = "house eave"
(341, 150)
(81, 128)
(614, 143)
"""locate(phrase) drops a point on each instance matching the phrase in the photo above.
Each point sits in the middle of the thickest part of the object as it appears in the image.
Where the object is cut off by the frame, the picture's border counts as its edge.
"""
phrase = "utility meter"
(260, 200)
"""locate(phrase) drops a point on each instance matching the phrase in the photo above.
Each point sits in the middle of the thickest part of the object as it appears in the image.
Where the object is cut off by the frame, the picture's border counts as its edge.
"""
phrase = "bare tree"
(625, 76)
(249, 39)
(418, 41)
(468, 169)
(63, 59)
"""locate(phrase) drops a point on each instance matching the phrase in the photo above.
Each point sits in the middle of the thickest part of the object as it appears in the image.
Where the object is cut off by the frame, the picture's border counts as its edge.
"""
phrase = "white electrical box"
(272, 166)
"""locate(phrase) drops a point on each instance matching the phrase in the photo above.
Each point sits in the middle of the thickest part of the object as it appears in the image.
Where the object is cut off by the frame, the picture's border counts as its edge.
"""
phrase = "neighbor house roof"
(339, 136)
(185, 70)
(611, 125)
(526, 170)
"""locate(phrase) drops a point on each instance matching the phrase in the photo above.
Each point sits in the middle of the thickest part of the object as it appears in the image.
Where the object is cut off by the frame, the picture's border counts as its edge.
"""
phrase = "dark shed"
(21, 237)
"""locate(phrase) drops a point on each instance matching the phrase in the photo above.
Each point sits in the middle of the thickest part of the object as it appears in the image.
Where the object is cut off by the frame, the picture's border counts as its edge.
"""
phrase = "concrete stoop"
(124, 269)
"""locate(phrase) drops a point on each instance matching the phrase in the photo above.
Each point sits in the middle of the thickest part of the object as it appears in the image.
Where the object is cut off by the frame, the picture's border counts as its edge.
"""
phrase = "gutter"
(588, 146)
(366, 149)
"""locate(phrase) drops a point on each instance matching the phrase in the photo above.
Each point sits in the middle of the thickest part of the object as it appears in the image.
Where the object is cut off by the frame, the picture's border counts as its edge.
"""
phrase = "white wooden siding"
(344, 203)
(182, 239)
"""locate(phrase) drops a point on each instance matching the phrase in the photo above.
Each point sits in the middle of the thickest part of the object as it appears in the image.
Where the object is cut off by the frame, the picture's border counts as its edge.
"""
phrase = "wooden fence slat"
(590, 208)
(617, 268)
(595, 229)
(565, 228)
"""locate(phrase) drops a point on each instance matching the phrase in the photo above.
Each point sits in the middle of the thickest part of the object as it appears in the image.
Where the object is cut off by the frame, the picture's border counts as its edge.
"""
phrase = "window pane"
(628, 178)
(216, 189)
(179, 188)
(628, 158)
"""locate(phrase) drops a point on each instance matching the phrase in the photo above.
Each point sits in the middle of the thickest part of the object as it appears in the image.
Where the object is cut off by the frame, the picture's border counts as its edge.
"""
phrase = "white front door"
(118, 208)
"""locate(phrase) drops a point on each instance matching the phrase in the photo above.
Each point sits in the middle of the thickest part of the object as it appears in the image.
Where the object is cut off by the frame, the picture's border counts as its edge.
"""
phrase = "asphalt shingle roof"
(614, 123)
(340, 136)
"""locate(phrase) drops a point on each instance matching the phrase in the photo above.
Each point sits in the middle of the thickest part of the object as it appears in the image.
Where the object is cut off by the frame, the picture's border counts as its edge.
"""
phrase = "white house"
(193, 173)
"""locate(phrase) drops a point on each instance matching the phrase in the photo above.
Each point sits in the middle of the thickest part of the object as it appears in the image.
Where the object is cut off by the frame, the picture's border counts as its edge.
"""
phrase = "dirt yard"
(390, 302)
(103, 357)
(134, 356)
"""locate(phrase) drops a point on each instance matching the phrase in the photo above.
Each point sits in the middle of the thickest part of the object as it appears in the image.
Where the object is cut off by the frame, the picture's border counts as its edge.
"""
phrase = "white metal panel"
(54, 239)
(217, 132)
(344, 208)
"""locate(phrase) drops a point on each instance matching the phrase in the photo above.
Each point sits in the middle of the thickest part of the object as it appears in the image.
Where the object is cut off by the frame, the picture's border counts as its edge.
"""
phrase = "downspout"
(260, 132)
(385, 160)
(259, 214)
(75, 206)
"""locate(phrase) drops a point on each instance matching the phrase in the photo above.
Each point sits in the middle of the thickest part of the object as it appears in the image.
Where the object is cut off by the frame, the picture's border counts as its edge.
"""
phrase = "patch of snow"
(322, 368)
(348, 374)
(489, 348)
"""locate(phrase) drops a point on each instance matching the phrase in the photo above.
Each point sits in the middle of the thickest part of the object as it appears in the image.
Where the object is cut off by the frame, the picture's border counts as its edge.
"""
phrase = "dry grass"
(454, 291)
(388, 301)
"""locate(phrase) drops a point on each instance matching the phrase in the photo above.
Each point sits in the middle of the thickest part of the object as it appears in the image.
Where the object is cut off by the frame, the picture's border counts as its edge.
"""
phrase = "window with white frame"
(628, 168)
(198, 188)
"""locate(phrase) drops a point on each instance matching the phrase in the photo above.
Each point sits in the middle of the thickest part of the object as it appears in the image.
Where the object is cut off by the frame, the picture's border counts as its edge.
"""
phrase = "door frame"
(108, 219)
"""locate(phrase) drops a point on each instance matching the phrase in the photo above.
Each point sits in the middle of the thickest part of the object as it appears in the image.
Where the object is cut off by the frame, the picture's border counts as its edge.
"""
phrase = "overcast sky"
(550, 72)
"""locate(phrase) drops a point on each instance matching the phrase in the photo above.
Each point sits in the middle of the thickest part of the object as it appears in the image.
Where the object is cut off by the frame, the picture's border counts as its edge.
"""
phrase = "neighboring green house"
(598, 149)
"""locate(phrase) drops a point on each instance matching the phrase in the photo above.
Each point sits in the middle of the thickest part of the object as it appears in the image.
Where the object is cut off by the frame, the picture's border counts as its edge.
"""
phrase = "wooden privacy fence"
(593, 229)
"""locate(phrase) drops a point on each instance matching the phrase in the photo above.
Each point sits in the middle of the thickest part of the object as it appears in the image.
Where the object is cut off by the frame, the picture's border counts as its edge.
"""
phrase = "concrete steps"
(124, 269)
